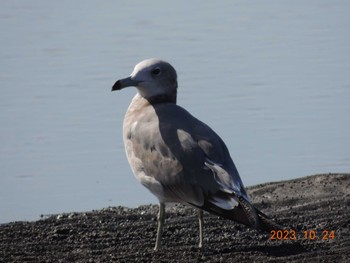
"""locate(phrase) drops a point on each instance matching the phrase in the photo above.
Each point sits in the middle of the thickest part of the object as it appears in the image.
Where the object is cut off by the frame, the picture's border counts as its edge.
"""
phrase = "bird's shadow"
(287, 249)
(281, 250)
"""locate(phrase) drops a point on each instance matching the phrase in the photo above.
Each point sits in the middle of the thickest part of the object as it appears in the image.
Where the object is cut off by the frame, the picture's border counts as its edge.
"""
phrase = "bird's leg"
(161, 217)
(200, 220)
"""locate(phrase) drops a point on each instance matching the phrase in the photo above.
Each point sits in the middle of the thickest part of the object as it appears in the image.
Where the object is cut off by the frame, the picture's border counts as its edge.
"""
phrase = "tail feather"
(266, 224)
(250, 212)
(258, 219)
(245, 213)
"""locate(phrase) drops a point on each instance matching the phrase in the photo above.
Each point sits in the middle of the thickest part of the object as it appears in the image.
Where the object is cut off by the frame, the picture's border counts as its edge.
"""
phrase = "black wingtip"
(267, 224)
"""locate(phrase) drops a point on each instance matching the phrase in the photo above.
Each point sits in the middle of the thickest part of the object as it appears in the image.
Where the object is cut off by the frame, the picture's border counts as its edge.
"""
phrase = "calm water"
(271, 77)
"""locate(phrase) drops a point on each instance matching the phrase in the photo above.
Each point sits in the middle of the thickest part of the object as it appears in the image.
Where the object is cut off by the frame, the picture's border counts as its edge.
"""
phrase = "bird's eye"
(156, 72)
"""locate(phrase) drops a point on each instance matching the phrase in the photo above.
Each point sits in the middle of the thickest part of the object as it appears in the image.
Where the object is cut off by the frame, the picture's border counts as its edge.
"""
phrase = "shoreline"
(316, 203)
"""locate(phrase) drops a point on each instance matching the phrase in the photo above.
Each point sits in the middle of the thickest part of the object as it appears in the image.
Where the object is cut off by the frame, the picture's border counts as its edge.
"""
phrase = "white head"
(151, 77)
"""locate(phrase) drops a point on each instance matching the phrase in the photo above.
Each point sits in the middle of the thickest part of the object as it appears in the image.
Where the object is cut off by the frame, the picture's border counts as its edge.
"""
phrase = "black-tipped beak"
(123, 83)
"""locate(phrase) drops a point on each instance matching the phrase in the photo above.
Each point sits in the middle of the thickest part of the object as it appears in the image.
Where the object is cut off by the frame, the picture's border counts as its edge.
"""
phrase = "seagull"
(177, 157)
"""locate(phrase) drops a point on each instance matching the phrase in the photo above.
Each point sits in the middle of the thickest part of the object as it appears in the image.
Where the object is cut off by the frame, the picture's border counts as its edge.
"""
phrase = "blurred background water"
(271, 78)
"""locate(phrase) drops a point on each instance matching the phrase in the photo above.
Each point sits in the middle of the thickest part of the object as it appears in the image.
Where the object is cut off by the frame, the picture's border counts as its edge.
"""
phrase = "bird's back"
(169, 146)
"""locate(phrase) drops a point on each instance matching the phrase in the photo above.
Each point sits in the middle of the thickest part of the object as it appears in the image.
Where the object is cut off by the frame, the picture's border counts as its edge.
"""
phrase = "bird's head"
(151, 77)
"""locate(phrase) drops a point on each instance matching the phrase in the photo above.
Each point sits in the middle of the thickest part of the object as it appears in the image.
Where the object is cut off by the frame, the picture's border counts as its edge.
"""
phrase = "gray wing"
(189, 160)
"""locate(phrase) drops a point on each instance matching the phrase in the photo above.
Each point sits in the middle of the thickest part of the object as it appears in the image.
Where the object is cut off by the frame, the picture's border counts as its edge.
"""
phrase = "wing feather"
(188, 159)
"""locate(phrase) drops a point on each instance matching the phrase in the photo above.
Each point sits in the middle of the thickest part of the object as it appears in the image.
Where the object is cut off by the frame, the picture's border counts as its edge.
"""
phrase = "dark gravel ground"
(119, 234)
